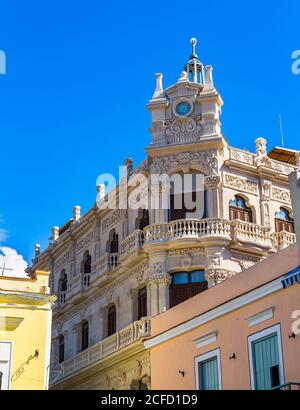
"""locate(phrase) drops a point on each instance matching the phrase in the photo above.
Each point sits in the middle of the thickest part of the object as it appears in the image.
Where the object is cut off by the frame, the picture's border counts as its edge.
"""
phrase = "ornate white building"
(114, 269)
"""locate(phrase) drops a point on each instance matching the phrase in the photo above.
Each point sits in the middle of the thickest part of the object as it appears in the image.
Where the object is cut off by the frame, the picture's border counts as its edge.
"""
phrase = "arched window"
(142, 219)
(185, 285)
(188, 198)
(113, 242)
(86, 264)
(84, 335)
(142, 303)
(111, 320)
(239, 210)
(61, 348)
(283, 221)
(63, 281)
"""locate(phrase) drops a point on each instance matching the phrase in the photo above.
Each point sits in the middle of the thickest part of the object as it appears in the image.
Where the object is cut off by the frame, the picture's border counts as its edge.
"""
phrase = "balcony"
(61, 298)
(131, 243)
(281, 240)
(235, 231)
(250, 232)
(187, 228)
(78, 285)
(134, 332)
(106, 263)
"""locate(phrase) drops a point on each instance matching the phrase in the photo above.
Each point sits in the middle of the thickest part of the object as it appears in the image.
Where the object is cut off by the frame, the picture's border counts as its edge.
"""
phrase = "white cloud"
(12, 260)
(9, 257)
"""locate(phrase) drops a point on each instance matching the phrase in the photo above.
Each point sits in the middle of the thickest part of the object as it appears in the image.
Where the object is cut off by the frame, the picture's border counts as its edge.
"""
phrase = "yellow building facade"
(25, 332)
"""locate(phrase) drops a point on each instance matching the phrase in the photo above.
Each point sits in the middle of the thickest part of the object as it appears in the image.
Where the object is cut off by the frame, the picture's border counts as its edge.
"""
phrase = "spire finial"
(193, 42)
(194, 67)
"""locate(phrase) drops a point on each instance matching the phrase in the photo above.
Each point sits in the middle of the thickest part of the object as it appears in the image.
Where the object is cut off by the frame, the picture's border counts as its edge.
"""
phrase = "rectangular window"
(208, 371)
(5, 364)
(265, 356)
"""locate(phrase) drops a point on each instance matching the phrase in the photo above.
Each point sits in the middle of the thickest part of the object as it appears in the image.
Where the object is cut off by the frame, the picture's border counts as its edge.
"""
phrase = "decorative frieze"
(241, 156)
(212, 182)
(205, 160)
(114, 217)
(281, 195)
(241, 184)
(160, 278)
(62, 260)
(85, 241)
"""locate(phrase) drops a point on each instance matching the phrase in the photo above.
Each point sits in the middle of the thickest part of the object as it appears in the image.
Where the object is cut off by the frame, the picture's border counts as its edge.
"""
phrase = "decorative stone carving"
(205, 160)
(262, 158)
(241, 156)
(85, 241)
(217, 275)
(186, 260)
(62, 260)
(267, 219)
(161, 278)
(213, 182)
(109, 295)
(157, 267)
(281, 195)
(241, 184)
(114, 217)
(184, 129)
(122, 377)
(249, 258)
(266, 190)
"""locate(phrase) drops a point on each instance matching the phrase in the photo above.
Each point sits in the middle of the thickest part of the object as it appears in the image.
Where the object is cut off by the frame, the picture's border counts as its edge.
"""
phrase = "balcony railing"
(106, 263)
(282, 239)
(193, 228)
(132, 242)
(288, 386)
(186, 228)
(130, 334)
(250, 232)
(62, 295)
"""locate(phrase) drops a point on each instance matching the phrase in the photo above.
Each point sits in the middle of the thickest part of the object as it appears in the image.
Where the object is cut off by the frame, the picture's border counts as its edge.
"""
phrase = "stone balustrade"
(281, 240)
(62, 296)
(250, 232)
(187, 228)
(126, 336)
(248, 158)
(106, 263)
(195, 228)
(132, 242)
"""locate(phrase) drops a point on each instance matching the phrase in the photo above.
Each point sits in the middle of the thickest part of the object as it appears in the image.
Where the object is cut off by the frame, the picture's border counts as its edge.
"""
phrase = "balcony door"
(239, 210)
(142, 303)
(283, 221)
(188, 200)
(185, 285)
(111, 321)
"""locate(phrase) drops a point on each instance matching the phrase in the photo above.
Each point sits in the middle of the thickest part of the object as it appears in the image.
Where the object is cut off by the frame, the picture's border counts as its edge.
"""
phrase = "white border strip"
(260, 335)
(227, 307)
(202, 358)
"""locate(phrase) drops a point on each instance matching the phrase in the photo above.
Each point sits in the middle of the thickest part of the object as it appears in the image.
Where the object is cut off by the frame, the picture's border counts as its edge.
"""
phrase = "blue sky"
(79, 75)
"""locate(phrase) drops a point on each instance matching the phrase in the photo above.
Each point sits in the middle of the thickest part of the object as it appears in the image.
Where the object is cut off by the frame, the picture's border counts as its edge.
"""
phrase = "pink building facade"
(241, 334)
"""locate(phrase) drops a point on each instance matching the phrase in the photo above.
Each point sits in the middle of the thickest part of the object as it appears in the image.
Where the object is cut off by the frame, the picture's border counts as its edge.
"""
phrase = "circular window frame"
(179, 102)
